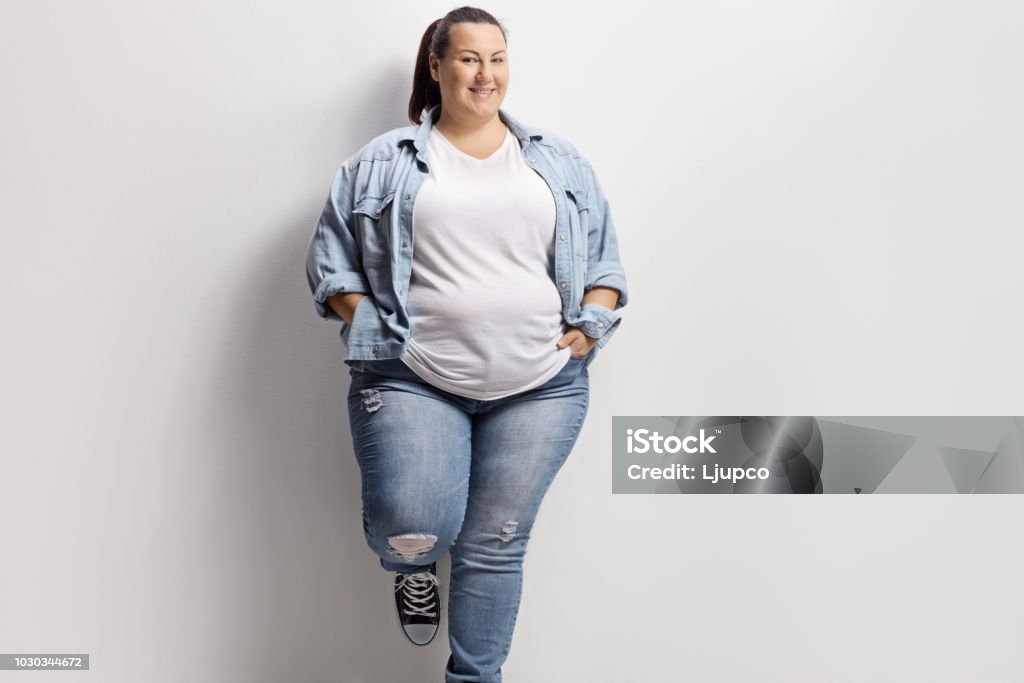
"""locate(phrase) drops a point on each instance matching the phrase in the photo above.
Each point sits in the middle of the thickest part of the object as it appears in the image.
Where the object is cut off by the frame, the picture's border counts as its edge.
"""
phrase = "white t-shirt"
(483, 304)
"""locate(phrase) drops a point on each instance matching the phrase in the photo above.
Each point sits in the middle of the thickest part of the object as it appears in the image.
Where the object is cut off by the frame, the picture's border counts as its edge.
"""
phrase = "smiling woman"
(474, 266)
(473, 83)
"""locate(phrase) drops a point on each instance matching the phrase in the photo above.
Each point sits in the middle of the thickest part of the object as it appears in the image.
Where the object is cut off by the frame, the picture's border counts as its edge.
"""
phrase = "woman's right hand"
(344, 304)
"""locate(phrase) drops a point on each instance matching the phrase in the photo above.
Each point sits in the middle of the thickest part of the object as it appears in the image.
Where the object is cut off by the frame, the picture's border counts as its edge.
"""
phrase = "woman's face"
(473, 76)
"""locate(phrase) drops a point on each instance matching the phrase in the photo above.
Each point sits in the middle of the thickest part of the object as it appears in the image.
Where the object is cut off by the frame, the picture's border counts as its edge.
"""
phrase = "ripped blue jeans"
(445, 473)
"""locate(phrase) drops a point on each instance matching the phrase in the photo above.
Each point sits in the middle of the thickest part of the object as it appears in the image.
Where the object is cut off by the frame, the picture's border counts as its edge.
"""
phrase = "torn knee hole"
(508, 530)
(411, 546)
(371, 400)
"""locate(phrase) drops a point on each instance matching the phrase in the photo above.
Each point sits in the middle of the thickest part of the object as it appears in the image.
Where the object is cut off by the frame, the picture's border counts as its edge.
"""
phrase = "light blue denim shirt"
(363, 241)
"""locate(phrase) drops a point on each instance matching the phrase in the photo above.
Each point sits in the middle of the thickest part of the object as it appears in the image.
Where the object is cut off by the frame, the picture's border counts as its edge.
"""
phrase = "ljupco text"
(716, 474)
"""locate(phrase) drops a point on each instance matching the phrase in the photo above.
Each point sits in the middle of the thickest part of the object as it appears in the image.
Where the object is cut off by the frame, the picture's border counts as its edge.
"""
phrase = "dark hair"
(425, 91)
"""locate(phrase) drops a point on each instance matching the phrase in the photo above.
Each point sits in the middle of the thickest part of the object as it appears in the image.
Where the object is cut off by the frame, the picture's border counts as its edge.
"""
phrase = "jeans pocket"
(585, 360)
(576, 364)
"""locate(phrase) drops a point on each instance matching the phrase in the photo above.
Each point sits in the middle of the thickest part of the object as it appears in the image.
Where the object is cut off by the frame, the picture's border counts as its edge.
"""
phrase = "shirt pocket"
(372, 216)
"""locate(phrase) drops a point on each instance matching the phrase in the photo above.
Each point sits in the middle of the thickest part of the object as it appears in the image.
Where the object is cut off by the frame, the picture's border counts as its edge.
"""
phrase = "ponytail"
(426, 92)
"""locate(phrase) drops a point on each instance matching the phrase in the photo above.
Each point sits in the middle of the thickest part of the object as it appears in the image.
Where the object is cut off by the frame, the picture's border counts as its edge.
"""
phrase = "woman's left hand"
(580, 343)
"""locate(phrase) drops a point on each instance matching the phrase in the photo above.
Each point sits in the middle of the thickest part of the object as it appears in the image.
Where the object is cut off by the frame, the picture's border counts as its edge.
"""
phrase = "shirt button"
(405, 244)
(564, 285)
(600, 325)
(408, 196)
(533, 161)
(562, 236)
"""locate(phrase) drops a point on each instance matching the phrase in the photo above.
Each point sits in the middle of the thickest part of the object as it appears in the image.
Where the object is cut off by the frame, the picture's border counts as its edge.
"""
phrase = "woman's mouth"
(482, 93)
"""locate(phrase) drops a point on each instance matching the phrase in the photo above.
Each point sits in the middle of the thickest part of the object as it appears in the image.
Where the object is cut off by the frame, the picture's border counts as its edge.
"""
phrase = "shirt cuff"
(331, 285)
(598, 322)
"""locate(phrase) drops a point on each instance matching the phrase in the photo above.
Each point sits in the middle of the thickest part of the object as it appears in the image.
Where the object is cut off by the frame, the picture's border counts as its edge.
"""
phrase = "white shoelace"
(417, 594)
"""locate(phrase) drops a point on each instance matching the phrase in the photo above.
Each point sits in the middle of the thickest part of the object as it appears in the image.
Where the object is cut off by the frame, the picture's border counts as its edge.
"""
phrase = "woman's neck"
(472, 133)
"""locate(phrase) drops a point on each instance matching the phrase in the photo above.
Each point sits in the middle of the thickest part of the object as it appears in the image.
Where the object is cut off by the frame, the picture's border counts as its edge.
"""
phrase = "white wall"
(818, 207)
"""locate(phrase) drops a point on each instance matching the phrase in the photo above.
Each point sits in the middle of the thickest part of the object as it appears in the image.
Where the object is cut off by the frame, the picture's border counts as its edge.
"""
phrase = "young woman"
(474, 266)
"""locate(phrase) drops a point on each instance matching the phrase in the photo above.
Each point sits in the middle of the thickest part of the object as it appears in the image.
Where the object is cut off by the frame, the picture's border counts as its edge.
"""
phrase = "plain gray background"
(819, 211)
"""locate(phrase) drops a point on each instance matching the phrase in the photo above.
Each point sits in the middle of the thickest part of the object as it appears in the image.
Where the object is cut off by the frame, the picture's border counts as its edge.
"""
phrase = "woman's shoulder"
(559, 143)
(384, 146)
(563, 150)
(544, 136)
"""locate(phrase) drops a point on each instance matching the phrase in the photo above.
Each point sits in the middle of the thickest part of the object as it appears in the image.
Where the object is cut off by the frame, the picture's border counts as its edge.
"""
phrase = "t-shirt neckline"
(490, 157)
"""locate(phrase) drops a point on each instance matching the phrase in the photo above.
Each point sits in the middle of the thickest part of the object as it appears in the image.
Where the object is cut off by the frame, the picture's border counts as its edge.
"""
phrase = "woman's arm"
(604, 264)
(604, 287)
(605, 296)
(332, 255)
(344, 304)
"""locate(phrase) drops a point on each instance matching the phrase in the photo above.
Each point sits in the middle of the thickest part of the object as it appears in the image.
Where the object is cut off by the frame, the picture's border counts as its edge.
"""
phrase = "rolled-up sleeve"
(604, 265)
(598, 322)
(332, 256)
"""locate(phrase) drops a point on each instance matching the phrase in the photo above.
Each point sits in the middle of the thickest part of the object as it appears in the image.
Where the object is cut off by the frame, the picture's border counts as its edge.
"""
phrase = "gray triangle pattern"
(965, 466)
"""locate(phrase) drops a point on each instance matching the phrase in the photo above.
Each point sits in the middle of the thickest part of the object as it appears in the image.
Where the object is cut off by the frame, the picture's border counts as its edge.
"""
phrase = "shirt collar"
(419, 139)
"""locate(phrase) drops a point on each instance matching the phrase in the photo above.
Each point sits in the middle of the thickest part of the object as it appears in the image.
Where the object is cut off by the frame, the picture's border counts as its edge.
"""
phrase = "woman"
(468, 353)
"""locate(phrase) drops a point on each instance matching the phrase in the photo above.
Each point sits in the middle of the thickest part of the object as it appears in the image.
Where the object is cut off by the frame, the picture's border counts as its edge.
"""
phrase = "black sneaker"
(419, 604)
